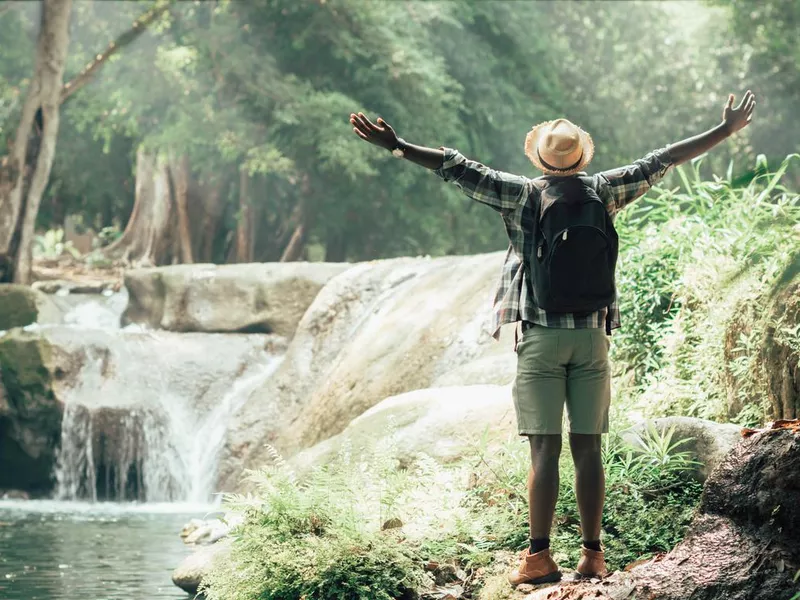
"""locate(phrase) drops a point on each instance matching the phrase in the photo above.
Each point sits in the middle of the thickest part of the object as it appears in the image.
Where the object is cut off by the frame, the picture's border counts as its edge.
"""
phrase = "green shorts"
(557, 366)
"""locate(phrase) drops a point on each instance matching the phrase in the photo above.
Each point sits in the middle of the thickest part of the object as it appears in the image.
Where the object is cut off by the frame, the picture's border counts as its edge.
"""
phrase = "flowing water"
(91, 551)
(145, 419)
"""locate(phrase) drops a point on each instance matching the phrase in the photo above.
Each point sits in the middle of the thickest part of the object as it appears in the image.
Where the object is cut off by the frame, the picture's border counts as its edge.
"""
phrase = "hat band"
(552, 168)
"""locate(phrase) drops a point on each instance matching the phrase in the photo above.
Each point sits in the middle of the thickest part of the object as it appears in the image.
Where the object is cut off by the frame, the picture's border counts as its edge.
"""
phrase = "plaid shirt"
(514, 197)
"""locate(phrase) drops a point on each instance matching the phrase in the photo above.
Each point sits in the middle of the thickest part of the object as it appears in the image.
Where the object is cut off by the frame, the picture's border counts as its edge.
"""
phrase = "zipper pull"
(539, 252)
(564, 237)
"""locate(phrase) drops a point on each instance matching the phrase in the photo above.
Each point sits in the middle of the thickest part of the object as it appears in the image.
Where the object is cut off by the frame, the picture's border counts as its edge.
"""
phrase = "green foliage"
(320, 536)
(266, 86)
(698, 268)
(650, 499)
(51, 245)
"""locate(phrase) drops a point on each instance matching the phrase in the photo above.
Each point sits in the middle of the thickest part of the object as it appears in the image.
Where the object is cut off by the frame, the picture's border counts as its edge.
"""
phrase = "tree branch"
(138, 28)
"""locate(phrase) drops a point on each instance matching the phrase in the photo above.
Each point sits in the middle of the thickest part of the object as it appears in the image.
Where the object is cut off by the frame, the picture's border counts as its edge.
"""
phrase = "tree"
(21, 187)
(24, 174)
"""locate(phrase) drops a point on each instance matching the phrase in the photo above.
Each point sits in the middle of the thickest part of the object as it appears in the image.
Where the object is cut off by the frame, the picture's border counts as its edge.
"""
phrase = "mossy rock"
(23, 369)
(21, 306)
(30, 416)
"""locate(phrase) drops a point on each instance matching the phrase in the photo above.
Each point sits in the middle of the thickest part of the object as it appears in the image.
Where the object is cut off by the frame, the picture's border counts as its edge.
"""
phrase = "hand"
(381, 134)
(739, 117)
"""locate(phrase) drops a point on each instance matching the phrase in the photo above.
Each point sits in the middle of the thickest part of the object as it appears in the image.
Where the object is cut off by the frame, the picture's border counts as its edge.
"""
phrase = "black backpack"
(575, 248)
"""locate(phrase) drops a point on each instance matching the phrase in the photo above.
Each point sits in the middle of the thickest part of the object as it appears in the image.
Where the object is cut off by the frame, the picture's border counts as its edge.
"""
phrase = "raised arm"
(502, 191)
(382, 135)
(624, 185)
(733, 119)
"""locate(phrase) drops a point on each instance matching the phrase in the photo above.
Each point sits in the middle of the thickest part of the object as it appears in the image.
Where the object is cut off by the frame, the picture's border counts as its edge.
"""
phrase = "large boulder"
(252, 298)
(134, 415)
(443, 423)
(21, 306)
(189, 574)
(377, 330)
(708, 442)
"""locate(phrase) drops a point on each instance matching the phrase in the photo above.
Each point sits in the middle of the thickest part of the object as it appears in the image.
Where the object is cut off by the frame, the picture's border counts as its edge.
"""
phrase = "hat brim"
(532, 143)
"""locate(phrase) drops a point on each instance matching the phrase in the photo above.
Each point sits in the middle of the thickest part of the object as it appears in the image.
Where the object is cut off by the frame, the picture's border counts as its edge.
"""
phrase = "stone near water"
(189, 574)
(255, 298)
(21, 305)
(14, 495)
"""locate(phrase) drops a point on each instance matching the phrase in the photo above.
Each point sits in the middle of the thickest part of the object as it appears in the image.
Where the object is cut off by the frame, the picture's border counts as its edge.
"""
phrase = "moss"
(18, 306)
(25, 376)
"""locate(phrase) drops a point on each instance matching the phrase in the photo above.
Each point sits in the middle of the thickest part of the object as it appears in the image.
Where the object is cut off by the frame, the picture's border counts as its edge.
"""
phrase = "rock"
(743, 544)
(14, 495)
(440, 422)
(60, 286)
(206, 532)
(707, 441)
(30, 415)
(21, 306)
(191, 571)
(495, 369)
(374, 331)
(255, 298)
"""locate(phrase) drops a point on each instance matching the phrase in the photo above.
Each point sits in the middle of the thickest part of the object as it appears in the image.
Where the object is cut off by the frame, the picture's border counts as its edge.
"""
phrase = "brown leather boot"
(535, 568)
(591, 564)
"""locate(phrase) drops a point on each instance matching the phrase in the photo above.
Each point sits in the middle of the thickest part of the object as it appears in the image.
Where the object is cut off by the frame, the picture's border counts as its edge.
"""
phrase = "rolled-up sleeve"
(504, 192)
(626, 184)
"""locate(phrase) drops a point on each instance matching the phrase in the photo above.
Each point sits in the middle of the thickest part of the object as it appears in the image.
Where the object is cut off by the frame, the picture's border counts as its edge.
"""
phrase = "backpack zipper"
(564, 236)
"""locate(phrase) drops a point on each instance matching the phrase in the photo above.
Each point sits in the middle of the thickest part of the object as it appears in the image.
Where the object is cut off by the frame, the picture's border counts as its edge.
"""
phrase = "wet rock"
(14, 495)
(707, 441)
(59, 286)
(21, 305)
(251, 298)
(377, 330)
(30, 415)
(189, 574)
(204, 532)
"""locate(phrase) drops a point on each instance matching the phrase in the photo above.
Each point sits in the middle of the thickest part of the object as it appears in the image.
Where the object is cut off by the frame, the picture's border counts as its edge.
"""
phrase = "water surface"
(82, 551)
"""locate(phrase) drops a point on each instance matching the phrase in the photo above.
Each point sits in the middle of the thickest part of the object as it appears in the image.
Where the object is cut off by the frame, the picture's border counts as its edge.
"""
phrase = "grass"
(705, 273)
(325, 538)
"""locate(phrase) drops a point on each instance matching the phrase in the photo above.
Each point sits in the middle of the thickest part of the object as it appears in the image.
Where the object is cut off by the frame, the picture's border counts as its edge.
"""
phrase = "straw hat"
(559, 147)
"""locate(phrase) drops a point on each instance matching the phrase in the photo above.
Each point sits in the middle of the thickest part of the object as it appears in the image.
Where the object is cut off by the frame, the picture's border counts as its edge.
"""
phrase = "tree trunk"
(147, 238)
(294, 249)
(212, 213)
(179, 168)
(18, 206)
(244, 225)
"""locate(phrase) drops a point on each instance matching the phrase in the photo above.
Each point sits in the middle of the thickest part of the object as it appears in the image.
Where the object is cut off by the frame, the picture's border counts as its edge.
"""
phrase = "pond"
(81, 551)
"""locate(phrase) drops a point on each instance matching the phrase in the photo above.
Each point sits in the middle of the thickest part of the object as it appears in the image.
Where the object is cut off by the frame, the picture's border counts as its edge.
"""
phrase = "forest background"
(226, 122)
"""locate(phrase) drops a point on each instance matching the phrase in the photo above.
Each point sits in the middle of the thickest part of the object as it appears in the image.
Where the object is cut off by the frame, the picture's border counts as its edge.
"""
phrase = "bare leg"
(590, 482)
(543, 483)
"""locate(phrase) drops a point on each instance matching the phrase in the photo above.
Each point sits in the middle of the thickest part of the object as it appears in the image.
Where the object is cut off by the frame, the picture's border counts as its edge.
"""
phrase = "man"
(563, 356)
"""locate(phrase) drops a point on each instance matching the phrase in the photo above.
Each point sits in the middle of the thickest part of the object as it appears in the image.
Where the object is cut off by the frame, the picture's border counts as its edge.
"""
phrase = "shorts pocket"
(538, 351)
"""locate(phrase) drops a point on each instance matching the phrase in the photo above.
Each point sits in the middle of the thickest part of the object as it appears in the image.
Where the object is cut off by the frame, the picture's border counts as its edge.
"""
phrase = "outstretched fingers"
(746, 100)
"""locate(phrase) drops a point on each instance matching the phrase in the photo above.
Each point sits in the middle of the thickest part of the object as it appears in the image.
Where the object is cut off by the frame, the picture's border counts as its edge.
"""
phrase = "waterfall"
(165, 448)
